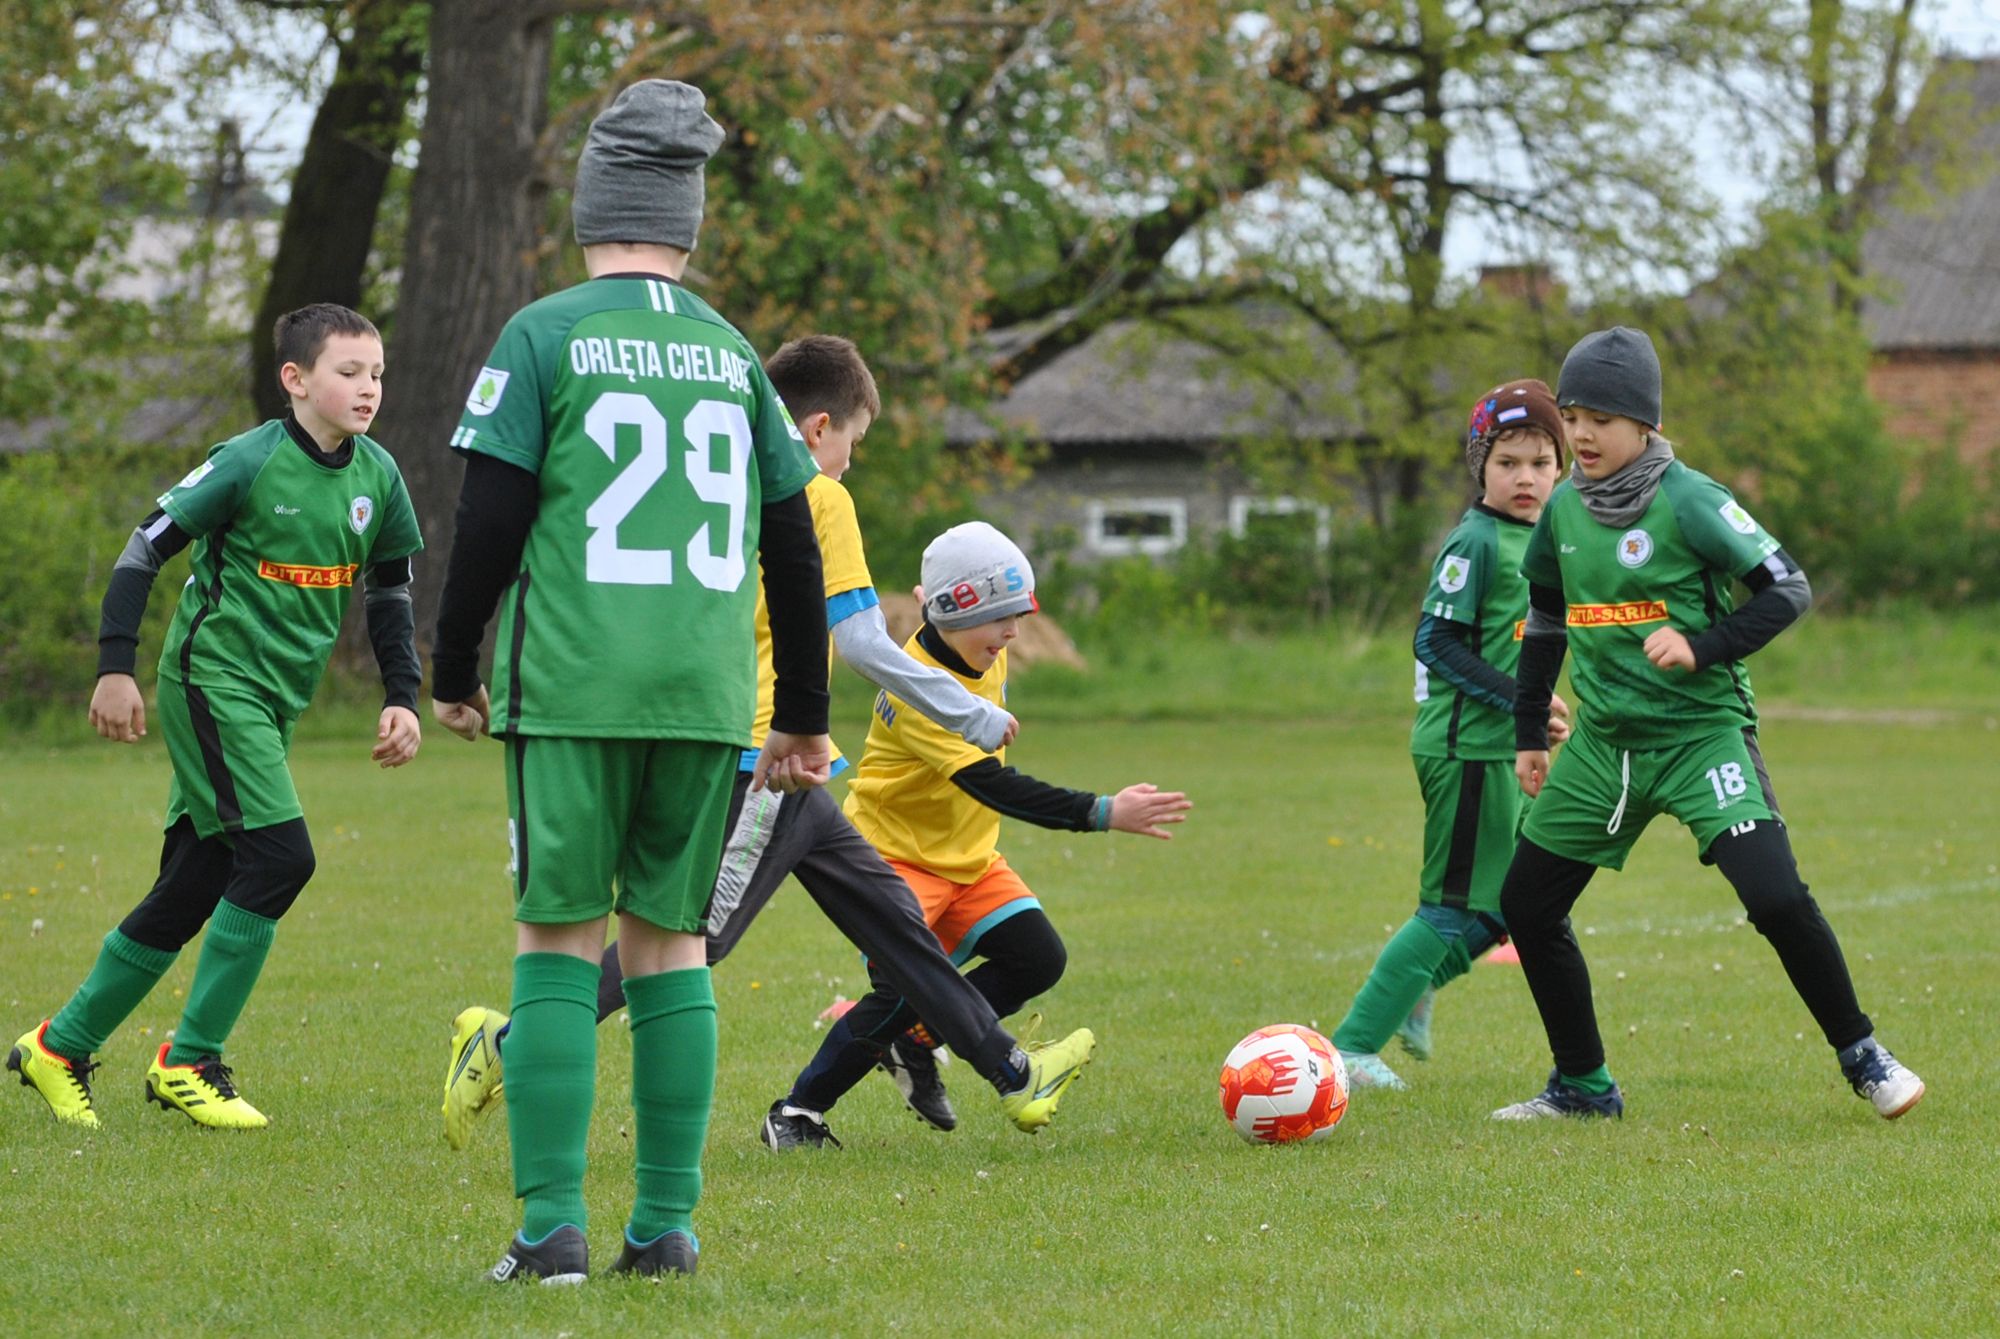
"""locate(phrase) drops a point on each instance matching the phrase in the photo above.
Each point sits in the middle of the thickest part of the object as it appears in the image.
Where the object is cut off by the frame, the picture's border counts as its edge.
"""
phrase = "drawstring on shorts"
(1624, 792)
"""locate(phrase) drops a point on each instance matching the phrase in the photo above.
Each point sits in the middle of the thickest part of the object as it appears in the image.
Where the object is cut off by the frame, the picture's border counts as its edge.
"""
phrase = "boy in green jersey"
(1632, 561)
(628, 464)
(1467, 644)
(282, 519)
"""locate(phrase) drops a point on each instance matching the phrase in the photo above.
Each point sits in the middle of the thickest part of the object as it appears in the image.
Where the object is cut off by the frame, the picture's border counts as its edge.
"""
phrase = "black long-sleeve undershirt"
(1779, 597)
(1445, 648)
(1542, 652)
(153, 542)
(1012, 793)
(497, 505)
(795, 600)
(1017, 795)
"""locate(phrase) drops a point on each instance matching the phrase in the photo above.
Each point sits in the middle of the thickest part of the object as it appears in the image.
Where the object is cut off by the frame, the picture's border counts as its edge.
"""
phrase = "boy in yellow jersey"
(931, 803)
(831, 395)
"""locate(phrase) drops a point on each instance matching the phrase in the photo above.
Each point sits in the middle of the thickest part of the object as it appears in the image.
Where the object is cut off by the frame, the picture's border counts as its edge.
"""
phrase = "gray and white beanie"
(639, 178)
(973, 574)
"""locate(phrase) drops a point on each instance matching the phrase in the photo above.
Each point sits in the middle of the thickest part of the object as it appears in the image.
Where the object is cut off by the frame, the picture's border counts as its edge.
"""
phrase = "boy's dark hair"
(823, 374)
(301, 334)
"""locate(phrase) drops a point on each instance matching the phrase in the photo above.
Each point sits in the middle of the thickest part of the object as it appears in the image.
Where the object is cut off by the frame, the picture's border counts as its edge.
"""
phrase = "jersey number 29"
(605, 560)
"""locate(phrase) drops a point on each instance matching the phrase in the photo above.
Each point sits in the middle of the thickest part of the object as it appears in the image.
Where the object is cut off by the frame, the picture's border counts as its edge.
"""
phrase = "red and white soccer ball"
(1282, 1084)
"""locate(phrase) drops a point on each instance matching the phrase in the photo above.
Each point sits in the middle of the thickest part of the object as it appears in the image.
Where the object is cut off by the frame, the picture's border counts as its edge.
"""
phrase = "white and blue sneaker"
(1881, 1078)
(1560, 1099)
(1369, 1070)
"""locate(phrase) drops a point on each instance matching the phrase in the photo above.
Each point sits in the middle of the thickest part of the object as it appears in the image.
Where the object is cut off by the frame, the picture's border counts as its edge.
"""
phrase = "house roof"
(1134, 382)
(1937, 262)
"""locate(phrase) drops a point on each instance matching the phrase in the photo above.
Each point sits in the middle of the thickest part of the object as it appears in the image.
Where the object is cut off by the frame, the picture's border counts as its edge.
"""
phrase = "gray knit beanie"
(973, 574)
(1613, 371)
(639, 179)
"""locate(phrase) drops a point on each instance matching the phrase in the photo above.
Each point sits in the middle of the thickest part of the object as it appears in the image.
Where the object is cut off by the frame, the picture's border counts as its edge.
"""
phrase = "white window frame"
(1097, 512)
(1243, 506)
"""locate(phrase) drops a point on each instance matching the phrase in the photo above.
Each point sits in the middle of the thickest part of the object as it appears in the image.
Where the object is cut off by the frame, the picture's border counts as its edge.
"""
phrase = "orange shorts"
(959, 913)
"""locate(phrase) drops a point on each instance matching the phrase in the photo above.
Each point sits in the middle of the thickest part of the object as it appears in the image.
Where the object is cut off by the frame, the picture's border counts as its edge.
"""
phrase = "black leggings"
(1023, 956)
(1542, 886)
(261, 870)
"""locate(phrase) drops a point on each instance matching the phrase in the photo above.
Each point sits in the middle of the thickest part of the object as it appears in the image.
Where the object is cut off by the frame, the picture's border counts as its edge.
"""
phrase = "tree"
(475, 228)
(330, 218)
(76, 173)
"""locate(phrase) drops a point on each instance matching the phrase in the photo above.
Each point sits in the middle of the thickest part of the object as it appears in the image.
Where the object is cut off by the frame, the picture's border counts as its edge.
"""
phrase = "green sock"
(1457, 962)
(1597, 1083)
(1398, 980)
(551, 1083)
(232, 958)
(673, 1086)
(125, 972)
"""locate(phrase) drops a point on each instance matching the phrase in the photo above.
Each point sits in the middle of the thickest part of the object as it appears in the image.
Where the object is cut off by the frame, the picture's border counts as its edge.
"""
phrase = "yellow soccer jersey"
(901, 796)
(846, 568)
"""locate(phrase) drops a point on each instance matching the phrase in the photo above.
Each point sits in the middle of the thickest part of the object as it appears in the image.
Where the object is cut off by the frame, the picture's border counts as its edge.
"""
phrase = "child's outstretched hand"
(397, 737)
(117, 711)
(1141, 809)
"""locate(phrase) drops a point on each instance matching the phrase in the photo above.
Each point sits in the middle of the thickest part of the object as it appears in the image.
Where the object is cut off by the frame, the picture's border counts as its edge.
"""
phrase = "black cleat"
(674, 1252)
(915, 1070)
(788, 1127)
(561, 1257)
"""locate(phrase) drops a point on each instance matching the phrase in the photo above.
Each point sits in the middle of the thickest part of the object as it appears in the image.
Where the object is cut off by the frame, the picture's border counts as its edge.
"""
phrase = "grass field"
(1746, 1192)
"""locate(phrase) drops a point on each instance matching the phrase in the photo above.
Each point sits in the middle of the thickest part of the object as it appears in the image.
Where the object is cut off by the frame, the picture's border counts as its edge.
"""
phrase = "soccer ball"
(1284, 1083)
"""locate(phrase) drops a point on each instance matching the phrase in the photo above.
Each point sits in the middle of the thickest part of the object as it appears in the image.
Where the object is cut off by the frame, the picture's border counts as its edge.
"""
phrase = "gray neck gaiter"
(1622, 498)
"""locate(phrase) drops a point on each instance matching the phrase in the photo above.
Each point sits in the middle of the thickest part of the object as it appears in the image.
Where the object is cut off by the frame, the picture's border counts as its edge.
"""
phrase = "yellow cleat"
(203, 1092)
(1051, 1069)
(473, 1081)
(63, 1083)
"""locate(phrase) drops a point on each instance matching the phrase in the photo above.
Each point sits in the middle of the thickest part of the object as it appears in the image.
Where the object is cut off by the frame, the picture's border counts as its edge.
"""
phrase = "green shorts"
(1598, 798)
(1472, 818)
(228, 748)
(603, 825)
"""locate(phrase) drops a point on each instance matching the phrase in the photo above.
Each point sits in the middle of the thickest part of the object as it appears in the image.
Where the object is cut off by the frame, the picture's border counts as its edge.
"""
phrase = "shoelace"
(216, 1074)
(79, 1074)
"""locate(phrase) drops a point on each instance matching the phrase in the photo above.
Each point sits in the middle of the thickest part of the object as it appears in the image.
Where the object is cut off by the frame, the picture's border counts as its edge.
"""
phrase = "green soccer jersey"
(1476, 582)
(280, 540)
(657, 439)
(1671, 569)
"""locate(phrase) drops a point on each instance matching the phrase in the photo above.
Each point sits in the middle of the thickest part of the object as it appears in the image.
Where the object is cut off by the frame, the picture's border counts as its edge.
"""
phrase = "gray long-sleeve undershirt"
(864, 643)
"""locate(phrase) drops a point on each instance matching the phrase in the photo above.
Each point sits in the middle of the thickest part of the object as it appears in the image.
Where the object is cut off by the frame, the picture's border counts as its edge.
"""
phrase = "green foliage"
(69, 514)
(75, 172)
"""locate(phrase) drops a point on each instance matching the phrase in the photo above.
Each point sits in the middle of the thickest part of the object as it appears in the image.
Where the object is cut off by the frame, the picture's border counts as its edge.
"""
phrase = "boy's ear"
(293, 378)
(814, 427)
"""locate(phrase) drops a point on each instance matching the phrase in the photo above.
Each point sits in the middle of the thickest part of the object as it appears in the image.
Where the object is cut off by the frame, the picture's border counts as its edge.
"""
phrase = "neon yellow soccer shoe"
(203, 1092)
(1051, 1069)
(63, 1083)
(472, 1083)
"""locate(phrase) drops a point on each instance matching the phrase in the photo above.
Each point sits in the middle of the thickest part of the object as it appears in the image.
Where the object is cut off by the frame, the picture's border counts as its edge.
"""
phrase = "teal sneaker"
(1415, 1034)
(1370, 1071)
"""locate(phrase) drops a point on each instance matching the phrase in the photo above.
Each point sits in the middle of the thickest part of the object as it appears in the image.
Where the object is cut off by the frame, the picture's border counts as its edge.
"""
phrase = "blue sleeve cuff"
(849, 603)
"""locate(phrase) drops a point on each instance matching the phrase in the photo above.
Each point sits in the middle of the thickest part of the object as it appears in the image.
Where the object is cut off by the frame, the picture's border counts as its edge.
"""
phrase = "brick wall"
(1932, 394)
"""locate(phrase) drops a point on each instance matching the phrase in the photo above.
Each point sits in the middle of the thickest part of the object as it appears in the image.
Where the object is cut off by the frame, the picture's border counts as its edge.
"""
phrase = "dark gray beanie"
(639, 179)
(1613, 371)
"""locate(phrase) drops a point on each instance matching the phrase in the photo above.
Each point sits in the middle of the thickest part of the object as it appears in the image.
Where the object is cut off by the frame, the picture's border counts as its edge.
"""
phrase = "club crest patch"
(1634, 548)
(1739, 520)
(1452, 574)
(487, 388)
(360, 512)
